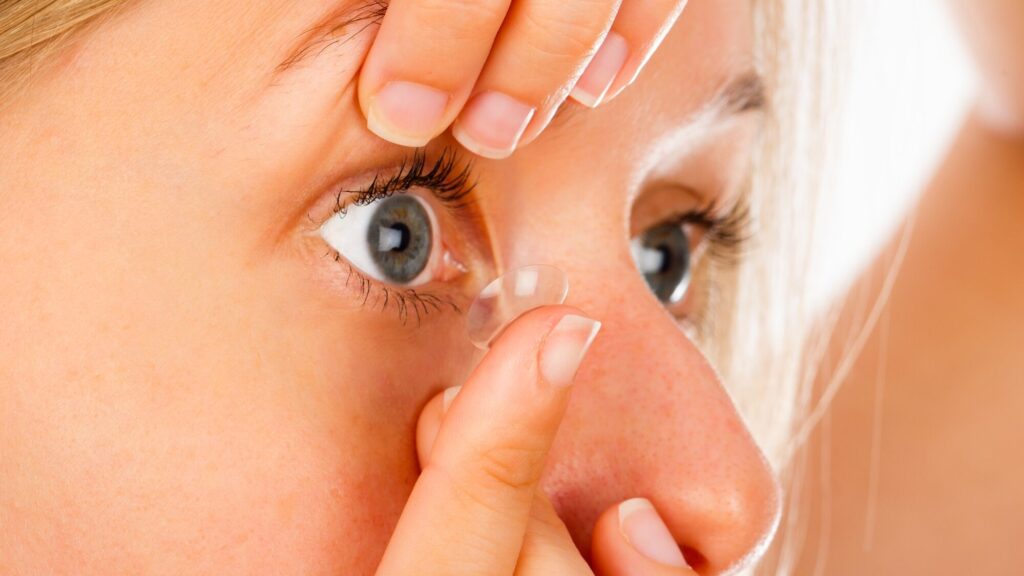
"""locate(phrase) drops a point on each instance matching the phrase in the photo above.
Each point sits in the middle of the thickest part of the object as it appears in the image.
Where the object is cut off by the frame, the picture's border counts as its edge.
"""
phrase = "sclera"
(511, 295)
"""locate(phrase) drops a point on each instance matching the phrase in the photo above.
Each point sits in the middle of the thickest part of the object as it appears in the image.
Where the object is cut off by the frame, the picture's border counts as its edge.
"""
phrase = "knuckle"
(461, 18)
(572, 33)
(511, 467)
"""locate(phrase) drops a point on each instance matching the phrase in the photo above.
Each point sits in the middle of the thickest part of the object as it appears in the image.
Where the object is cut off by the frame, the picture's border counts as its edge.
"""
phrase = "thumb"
(631, 539)
(430, 423)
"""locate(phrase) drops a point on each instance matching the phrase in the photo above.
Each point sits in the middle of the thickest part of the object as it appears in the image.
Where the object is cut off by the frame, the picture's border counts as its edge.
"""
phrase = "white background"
(910, 85)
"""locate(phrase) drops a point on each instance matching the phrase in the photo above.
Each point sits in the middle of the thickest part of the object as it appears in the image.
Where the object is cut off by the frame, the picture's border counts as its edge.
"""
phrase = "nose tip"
(649, 419)
(723, 528)
(721, 519)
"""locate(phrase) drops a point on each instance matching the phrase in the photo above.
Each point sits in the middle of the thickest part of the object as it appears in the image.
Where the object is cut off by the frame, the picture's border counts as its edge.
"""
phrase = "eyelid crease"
(334, 28)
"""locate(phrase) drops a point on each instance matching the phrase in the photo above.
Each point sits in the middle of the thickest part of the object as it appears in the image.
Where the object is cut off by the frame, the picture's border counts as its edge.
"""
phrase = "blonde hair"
(762, 322)
(775, 339)
(30, 30)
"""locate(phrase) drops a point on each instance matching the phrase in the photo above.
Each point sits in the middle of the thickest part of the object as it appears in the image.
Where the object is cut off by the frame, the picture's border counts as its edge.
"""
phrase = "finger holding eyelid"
(423, 64)
(635, 37)
(540, 52)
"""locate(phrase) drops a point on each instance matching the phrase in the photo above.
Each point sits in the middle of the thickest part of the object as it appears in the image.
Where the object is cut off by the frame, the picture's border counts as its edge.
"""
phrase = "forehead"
(712, 44)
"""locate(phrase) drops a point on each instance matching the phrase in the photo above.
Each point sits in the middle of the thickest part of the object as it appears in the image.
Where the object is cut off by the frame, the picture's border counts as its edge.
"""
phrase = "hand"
(497, 71)
(477, 508)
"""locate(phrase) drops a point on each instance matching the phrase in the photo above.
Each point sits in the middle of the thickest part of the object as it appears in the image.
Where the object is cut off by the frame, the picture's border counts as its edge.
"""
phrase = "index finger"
(423, 64)
(469, 510)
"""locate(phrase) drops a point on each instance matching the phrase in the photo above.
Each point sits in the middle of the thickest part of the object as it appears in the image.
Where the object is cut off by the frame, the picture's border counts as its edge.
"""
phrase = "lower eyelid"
(410, 305)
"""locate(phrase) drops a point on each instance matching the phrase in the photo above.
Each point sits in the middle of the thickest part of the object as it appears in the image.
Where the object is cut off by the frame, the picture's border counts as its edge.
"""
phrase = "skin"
(923, 439)
(189, 386)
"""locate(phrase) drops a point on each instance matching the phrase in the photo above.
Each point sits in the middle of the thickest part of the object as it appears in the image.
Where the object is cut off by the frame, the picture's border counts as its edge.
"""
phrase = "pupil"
(400, 238)
(662, 254)
(666, 258)
(405, 237)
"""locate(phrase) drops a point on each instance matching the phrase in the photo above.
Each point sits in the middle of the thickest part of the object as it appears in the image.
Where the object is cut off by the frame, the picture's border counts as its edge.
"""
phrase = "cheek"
(243, 479)
(246, 428)
(191, 471)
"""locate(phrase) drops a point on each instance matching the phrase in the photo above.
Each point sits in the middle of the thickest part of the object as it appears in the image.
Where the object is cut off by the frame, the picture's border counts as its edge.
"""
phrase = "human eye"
(669, 251)
(393, 240)
(662, 254)
(398, 238)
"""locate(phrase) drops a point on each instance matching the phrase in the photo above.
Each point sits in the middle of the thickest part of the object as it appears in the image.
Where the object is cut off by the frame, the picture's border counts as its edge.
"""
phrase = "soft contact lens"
(516, 292)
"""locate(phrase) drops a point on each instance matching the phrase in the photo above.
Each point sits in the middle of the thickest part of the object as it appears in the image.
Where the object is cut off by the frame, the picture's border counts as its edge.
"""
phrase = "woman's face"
(195, 381)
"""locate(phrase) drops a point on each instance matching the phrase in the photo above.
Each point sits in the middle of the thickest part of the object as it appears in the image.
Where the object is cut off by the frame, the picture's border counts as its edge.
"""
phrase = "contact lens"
(509, 296)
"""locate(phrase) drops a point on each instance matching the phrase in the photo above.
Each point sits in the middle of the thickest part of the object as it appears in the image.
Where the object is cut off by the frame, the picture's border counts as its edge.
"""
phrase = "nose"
(649, 418)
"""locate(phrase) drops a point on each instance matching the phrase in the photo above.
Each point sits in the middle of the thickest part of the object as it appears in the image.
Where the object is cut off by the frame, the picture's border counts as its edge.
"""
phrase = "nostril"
(695, 559)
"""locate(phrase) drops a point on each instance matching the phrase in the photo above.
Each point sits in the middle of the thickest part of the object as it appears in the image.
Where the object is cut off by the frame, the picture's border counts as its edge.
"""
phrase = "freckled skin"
(188, 387)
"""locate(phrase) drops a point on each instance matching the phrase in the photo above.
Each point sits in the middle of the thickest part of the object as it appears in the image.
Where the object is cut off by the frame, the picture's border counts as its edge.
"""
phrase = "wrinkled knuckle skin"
(513, 467)
(461, 19)
(570, 35)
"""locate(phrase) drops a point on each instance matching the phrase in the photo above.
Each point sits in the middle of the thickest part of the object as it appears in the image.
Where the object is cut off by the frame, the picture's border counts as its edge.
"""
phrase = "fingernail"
(645, 531)
(407, 113)
(492, 123)
(449, 397)
(565, 347)
(593, 85)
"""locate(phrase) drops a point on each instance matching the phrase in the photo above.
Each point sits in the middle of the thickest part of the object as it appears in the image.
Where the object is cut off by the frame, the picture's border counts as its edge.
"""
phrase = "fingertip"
(534, 325)
(593, 86)
(492, 124)
(631, 538)
(407, 113)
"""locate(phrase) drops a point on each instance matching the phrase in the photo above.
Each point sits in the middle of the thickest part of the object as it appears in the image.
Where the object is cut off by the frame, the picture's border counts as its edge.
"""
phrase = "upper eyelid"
(458, 198)
(448, 179)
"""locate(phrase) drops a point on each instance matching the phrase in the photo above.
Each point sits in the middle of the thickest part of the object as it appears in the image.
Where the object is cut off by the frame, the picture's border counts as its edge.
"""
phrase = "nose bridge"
(649, 418)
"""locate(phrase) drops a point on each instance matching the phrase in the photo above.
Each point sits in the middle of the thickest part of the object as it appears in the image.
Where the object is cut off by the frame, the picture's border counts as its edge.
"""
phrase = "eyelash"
(422, 303)
(727, 238)
(449, 180)
(451, 183)
(728, 235)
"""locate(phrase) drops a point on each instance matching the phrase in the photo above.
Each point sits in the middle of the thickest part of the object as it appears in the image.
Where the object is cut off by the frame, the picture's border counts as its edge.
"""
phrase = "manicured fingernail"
(492, 123)
(646, 532)
(593, 85)
(565, 348)
(407, 113)
(449, 397)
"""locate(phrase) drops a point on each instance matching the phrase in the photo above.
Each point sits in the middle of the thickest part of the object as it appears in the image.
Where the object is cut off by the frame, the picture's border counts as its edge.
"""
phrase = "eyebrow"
(745, 93)
(339, 25)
